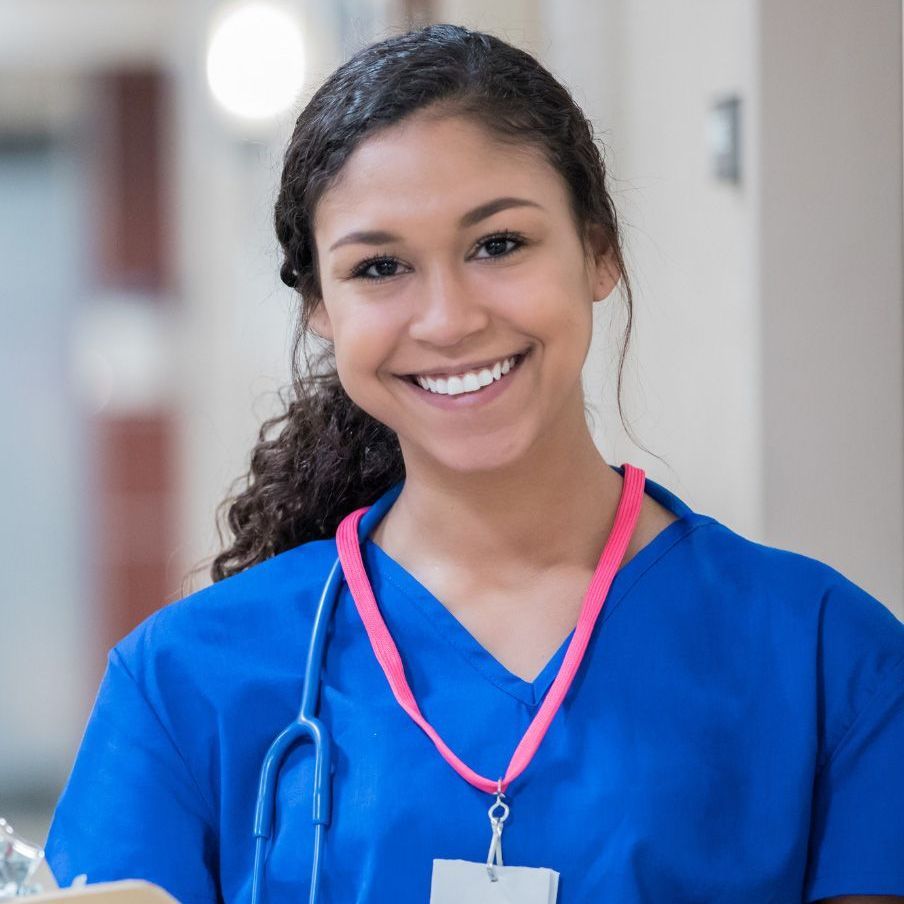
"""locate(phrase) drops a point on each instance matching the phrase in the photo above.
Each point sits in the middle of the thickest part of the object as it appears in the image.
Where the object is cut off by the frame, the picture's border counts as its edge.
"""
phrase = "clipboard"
(128, 891)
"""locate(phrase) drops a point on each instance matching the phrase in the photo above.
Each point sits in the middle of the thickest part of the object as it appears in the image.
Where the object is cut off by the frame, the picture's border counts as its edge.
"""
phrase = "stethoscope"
(307, 726)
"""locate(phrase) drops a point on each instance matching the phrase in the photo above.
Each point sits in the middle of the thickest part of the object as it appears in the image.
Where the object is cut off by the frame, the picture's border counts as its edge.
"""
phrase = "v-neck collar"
(440, 620)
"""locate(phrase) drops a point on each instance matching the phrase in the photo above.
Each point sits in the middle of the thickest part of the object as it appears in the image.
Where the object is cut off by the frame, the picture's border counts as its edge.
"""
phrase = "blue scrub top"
(735, 734)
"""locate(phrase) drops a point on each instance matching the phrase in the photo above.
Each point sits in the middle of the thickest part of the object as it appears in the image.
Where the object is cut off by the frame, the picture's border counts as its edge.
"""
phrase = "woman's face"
(445, 254)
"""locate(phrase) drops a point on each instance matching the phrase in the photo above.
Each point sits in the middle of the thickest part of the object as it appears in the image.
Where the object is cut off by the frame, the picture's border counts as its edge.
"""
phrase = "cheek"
(556, 294)
(557, 318)
(353, 366)
(363, 343)
(369, 322)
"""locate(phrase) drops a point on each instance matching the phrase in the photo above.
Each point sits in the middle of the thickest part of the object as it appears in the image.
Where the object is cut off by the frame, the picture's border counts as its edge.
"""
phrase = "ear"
(603, 269)
(319, 321)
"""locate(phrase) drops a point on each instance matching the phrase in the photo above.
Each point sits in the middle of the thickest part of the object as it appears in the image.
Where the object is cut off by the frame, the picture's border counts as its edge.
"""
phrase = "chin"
(474, 457)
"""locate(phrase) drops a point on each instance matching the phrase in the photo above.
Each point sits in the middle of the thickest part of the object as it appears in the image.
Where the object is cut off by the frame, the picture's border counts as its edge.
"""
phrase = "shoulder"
(785, 583)
(221, 667)
(805, 624)
(254, 602)
(256, 621)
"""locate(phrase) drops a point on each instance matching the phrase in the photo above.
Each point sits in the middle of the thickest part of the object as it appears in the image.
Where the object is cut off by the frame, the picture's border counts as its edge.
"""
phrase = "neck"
(551, 509)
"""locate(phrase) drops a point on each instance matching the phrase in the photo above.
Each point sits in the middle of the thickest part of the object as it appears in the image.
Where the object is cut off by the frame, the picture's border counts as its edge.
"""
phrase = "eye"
(382, 262)
(501, 239)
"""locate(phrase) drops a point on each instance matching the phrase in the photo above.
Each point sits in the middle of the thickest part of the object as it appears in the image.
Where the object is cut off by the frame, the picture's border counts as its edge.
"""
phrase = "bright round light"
(255, 60)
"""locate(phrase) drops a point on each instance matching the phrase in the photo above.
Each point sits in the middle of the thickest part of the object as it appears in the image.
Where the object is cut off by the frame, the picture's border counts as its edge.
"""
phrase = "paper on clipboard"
(128, 891)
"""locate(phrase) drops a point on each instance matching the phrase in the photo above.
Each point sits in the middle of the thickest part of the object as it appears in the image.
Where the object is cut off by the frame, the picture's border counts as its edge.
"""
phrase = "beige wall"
(767, 366)
(647, 73)
(519, 22)
(831, 267)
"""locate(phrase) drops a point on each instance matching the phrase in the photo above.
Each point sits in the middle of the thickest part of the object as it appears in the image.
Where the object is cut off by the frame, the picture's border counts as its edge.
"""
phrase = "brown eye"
(497, 243)
(384, 267)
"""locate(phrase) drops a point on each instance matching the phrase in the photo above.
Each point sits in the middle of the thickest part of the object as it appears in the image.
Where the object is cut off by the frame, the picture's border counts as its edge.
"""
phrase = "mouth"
(471, 381)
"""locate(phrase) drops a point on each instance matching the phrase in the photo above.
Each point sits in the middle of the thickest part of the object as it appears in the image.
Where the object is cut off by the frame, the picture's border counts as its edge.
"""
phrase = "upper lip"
(464, 368)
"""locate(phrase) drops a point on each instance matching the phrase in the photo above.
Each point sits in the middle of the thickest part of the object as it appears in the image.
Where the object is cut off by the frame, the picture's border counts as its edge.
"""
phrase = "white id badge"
(455, 881)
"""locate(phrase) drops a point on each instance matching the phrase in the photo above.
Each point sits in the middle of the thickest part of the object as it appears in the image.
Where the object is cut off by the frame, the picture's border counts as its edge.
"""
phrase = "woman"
(728, 728)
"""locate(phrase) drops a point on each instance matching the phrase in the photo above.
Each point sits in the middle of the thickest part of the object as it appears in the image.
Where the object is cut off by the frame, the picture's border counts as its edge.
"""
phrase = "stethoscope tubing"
(307, 726)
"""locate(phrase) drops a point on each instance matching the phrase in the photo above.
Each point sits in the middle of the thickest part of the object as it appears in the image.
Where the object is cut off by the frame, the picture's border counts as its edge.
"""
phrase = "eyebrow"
(471, 218)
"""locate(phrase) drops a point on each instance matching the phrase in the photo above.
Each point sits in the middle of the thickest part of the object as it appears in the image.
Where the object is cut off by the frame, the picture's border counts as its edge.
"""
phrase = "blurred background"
(755, 152)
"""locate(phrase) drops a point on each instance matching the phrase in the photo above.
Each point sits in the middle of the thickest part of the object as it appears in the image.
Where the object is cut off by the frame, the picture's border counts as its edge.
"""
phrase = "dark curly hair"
(329, 456)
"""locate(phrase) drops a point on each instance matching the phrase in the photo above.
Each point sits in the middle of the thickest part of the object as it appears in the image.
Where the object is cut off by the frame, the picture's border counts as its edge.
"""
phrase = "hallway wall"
(766, 364)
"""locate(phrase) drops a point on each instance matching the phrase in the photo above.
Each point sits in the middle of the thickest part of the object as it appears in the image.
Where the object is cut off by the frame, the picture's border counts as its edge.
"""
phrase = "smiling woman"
(510, 642)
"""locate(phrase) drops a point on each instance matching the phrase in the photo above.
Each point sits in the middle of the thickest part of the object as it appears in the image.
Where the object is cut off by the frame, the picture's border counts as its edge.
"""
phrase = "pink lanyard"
(388, 655)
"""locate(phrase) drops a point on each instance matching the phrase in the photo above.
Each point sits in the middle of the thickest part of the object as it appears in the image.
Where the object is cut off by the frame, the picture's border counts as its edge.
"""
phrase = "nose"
(446, 313)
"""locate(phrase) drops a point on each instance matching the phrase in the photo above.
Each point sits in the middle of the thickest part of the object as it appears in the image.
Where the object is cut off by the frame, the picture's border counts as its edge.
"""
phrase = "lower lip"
(468, 399)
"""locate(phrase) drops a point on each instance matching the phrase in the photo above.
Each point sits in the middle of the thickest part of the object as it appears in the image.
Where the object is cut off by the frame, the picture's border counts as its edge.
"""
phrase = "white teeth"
(468, 382)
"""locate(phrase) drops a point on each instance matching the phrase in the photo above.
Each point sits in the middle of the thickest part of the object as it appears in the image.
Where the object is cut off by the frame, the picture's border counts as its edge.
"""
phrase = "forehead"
(427, 167)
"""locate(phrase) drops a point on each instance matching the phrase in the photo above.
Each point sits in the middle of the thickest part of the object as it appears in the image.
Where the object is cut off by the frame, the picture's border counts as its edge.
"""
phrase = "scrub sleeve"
(131, 808)
(857, 836)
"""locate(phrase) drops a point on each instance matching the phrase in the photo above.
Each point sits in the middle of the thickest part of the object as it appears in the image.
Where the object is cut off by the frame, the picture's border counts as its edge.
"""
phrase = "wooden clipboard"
(129, 891)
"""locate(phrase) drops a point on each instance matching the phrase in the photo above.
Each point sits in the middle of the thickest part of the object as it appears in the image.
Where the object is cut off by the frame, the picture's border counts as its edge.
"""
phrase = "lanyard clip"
(494, 857)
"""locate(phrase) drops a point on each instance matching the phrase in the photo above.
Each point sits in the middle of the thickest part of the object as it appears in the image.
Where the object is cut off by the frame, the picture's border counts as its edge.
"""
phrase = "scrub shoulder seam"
(885, 687)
